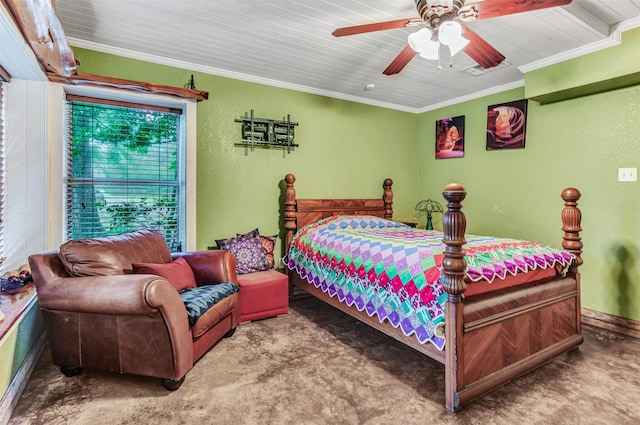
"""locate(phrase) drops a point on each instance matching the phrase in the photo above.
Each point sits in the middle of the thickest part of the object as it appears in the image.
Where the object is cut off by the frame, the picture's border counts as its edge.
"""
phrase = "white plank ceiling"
(288, 43)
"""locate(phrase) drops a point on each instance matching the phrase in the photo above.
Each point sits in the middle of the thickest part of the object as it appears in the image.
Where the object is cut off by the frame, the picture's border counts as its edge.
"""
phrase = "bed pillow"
(248, 250)
(268, 243)
(360, 222)
(178, 272)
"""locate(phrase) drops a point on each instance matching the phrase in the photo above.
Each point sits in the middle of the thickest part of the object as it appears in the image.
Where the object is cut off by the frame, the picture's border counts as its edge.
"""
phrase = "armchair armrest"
(215, 266)
(119, 294)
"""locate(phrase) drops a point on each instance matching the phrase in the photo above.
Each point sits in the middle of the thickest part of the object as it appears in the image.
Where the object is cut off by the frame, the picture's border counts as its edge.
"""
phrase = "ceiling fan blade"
(378, 26)
(401, 61)
(492, 8)
(481, 51)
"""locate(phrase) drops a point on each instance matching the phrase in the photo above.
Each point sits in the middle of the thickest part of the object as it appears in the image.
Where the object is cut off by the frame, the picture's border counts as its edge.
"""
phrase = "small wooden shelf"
(266, 133)
(14, 304)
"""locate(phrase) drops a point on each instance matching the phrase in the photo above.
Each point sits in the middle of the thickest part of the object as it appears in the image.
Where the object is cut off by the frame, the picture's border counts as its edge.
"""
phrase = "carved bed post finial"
(454, 225)
(387, 198)
(571, 219)
(290, 221)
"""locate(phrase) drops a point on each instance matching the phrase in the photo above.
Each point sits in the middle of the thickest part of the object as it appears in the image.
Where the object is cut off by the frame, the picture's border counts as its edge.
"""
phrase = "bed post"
(571, 219)
(290, 222)
(454, 267)
(387, 198)
(571, 241)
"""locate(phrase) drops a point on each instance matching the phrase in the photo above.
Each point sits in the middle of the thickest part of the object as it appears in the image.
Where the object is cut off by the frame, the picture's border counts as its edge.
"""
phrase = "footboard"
(494, 337)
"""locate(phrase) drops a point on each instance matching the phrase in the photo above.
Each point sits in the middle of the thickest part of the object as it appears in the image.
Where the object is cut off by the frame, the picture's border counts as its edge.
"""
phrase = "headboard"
(300, 212)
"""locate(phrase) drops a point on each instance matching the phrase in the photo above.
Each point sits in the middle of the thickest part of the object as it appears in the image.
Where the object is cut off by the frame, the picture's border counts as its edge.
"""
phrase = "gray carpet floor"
(317, 365)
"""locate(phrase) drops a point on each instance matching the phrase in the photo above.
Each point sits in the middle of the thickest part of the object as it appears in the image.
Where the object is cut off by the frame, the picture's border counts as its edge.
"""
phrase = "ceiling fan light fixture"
(419, 40)
(457, 46)
(431, 51)
(449, 31)
(450, 34)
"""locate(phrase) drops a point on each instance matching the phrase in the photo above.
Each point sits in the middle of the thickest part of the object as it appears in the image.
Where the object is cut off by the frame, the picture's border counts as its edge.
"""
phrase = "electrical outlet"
(627, 174)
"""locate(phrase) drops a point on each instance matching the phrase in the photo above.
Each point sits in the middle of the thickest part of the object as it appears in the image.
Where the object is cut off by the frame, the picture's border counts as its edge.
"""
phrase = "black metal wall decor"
(190, 84)
(265, 133)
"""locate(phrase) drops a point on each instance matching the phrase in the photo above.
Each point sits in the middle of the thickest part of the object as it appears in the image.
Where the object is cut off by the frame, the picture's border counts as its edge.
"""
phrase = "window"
(125, 169)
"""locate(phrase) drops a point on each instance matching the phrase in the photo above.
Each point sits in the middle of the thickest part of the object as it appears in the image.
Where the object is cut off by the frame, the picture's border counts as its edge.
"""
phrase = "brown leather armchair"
(99, 315)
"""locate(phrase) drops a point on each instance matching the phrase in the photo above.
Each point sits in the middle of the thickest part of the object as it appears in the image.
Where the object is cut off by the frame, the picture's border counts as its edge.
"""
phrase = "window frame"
(124, 183)
(57, 148)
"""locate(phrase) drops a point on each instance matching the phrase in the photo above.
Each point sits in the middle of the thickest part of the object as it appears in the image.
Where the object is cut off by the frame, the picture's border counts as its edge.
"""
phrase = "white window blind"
(124, 169)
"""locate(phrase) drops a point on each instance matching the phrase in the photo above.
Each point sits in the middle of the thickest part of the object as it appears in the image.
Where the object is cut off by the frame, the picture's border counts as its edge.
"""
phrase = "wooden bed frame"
(491, 338)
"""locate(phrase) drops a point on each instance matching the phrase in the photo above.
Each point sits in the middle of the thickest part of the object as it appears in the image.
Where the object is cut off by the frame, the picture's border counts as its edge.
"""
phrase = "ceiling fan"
(439, 24)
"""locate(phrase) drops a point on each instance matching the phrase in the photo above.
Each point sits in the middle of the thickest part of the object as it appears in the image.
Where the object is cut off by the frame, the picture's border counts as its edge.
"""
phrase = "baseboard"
(610, 322)
(11, 397)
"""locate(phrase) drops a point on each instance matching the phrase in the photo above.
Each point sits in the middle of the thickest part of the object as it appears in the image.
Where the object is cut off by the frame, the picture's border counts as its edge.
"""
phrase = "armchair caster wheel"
(230, 333)
(70, 371)
(171, 385)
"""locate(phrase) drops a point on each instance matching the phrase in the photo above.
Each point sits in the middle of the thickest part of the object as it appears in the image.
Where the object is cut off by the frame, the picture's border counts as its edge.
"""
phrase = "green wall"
(16, 344)
(346, 149)
(578, 142)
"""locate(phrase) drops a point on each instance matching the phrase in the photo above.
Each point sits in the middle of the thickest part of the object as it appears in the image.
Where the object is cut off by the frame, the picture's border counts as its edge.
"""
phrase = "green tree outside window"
(123, 171)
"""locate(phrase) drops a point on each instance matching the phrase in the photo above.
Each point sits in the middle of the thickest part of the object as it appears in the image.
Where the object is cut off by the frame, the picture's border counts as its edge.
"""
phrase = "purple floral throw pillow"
(249, 253)
(268, 243)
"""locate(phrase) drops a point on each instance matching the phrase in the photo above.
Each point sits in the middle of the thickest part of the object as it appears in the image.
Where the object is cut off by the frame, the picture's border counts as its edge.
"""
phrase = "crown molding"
(629, 24)
(570, 54)
(614, 39)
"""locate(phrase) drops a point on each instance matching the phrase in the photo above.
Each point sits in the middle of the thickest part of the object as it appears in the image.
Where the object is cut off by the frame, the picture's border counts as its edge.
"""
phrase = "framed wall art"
(450, 137)
(506, 125)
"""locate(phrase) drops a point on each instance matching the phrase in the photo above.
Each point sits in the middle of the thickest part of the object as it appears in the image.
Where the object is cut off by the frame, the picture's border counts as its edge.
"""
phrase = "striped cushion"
(199, 300)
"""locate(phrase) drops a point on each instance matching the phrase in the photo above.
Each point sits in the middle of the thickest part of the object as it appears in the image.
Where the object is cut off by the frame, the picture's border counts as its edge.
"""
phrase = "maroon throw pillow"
(269, 244)
(178, 272)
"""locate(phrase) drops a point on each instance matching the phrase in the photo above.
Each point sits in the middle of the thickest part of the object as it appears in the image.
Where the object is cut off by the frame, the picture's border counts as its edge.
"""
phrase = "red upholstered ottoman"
(263, 294)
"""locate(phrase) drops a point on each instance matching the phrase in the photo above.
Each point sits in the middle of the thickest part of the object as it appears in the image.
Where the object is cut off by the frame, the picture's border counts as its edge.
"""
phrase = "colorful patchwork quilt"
(394, 272)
